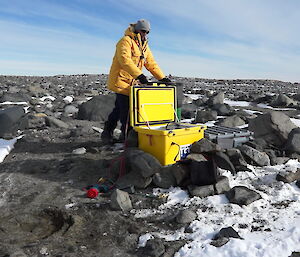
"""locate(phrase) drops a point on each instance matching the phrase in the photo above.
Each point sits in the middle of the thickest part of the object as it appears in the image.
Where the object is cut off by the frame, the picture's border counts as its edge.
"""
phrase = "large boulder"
(273, 127)
(232, 121)
(134, 179)
(188, 111)
(204, 146)
(165, 178)
(141, 162)
(293, 142)
(12, 119)
(203, 116)
(201, 191)
(223, 109)
(223, 162)
(242, 195)
(120, 200)
(237, 159)
(217, 98)
(97, 109)
(284, 101)
(254, 156)
(288, 176)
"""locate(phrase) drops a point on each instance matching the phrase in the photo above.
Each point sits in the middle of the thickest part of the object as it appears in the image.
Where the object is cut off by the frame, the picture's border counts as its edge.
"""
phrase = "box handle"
(173, 143)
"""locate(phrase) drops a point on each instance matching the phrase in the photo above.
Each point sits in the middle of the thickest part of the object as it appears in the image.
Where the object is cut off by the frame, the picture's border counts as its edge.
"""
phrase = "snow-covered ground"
(269, 227)
(5, 147)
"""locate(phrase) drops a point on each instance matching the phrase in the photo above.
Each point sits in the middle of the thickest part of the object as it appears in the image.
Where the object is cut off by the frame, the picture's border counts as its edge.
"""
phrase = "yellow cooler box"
(153, 116)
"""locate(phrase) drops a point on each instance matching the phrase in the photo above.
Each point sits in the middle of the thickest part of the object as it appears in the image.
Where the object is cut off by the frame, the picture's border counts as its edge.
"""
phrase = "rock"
(295, 254)
(232, 121)
(135, 179)
(227, 232)
(242, 195)
(254, 156)
(53, 122)
(12, 119)
(196, 157)
(119, 168)
(187, 100)
(223, 236)
(172, 247)
(222, 185)
(154, 248)
(70, 109)
(294, 156)
(120, 200)
(165, 178)
(204, 146)
(201, 191)
(223, 109)
(142, 162)
(180, 173)
(68, 99)
(298, 183)
(188, 111)
(79, 151)
(237, 159)
(273, 127)
(217, 98)
(283, 101)
(258, 143)
(97, 109)
(220, 241)
(200, 101)
(204, 173)
(185, 217)
(223, 162)
(203, 116)
(288, 177)
(293, 142)
(279, 160)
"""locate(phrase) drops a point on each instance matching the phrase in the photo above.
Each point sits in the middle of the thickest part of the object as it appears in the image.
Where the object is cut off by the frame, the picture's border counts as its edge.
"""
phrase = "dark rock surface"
(242, 195)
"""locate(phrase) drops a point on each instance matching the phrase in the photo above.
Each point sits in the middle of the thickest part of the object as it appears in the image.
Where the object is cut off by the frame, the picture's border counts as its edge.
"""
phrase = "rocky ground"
(44, 208)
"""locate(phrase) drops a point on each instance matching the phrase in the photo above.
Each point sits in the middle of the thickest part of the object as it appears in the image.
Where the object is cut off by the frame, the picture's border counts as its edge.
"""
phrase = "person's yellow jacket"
(128, 62)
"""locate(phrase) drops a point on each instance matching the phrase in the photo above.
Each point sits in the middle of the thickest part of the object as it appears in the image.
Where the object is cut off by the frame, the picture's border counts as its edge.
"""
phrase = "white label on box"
(184, 150)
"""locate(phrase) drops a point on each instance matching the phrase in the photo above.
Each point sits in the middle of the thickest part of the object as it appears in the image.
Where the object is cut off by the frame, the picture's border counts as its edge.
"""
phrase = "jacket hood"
(130, 32)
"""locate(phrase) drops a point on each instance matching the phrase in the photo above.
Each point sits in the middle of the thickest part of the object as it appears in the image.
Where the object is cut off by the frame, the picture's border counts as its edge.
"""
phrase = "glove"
(143, 79)
(165, 80)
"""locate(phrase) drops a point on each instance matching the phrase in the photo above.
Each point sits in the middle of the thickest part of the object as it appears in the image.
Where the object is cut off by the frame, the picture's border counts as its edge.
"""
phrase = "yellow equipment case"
(153, 116)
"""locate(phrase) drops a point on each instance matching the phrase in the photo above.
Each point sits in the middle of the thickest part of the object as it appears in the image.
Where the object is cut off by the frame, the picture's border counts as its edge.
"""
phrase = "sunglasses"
(145, 31)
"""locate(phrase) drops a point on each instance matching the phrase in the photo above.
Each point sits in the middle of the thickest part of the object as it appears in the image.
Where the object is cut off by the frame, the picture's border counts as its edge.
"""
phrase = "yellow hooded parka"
(130, 57)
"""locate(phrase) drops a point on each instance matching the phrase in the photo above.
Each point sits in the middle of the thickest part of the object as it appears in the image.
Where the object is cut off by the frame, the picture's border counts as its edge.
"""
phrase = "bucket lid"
(152, 105)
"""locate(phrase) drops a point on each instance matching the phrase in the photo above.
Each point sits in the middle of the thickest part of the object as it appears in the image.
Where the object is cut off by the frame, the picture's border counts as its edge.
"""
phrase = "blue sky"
(222, 39)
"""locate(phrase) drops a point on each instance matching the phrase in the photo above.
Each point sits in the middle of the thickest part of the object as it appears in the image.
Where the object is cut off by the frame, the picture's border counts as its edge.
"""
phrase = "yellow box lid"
(150, 105)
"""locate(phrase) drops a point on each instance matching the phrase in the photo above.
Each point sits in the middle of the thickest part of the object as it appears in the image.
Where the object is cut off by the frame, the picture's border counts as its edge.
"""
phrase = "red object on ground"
(92, 193)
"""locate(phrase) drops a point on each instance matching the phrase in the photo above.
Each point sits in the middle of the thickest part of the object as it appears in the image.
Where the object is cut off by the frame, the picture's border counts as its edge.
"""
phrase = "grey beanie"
(142, 25)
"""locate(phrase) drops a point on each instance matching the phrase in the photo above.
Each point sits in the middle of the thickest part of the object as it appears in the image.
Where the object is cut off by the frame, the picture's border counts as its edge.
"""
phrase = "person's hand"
(143, 79)
(165, 80)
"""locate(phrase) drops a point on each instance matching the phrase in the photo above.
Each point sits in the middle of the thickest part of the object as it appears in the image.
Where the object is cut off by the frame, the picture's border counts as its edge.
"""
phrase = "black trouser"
(120, 112)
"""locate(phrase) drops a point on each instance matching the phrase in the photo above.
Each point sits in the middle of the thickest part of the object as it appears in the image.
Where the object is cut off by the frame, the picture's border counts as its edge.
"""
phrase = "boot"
(107, 134)
(123, 134)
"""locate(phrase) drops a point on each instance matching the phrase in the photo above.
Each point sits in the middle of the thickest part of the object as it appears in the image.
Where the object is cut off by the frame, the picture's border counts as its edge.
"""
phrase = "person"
(131, 55)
